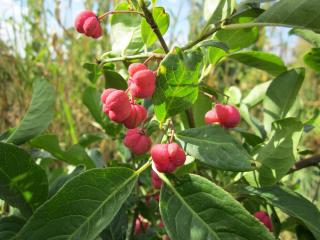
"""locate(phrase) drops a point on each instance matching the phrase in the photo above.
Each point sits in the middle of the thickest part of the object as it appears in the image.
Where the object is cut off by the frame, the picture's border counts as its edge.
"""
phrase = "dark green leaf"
(312, 59)
(196, 208)
(177, 83)
(240, 38)
(83, 207)
(281, 96)
(63, 178)
(125, 31)
(94, 71)
(23, 184)
(261, 60)
(75, 155)
(39, 114)
(303, 233)
(214, 146)
(291, 203)
(213, 43)
(114, 80)
(293, 13)
(118, 227)
(89, 138)
(280, 152)
(10, 226)
(161, 18)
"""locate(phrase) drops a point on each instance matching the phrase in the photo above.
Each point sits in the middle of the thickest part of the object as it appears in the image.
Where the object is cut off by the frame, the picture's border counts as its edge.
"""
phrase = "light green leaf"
(257, 94)
(196, 208)
(23, 184)
(75, 155)
(312, 59)
(280, 152)
(281, 95)
(237, 39)
(308, 35)
(216, 10)
(293, 13)
(177, 83)
(125, 31)
(215, 147)
(10, 226)
(83, 207)
(161, 18)
(39, 114)
(261, 60)
(291, 203)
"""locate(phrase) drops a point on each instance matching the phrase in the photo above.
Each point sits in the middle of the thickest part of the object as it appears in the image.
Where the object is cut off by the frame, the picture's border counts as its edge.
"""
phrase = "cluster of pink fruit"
(87, 22)
(118, 107)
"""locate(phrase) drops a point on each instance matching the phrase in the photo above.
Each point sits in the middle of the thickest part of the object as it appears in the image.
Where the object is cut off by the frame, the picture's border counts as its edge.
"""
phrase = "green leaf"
(23, 184)
(75, 155)
(89, 138)
(216, 10)
(83, 207)
(63, 178)
(261, 60)
(257, 94)
(308, 35)
(312, 59)
(253, 122)
(10, 226)
(114, 80)
(177, 83)
(39, 114)
(213, 43)
(125, 31)
(196, 208)
(94, 71)
(117, 229)
(161, 18)
(199, 109)
(214, 146)
(279, 154)
(240, 38)
(293, 13)
(281, 95)
(291, 203)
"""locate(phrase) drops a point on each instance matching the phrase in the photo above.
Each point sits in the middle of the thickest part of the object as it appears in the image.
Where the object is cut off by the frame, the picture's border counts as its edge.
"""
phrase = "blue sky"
(13, 8)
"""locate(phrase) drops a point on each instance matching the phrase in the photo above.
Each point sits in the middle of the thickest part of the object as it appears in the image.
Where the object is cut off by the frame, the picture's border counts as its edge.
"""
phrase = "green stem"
(201, 38)
(132, 57)
(150, 20)
(119, 12)
(144, 167)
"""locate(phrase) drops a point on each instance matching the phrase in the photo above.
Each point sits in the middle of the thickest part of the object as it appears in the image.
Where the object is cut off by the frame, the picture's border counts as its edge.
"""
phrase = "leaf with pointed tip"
(261, 60)
(293, 13)
(177, 83)
(215, 147)
(39, 114)
(161, 18)
(23, 184)
(83, 207)
(195, 208)
(75, 155)
(281, 96)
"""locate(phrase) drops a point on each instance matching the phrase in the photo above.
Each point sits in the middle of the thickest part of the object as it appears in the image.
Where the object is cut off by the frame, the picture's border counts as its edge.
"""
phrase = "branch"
(132, 57)
(201, 38)
(119, 12)
(304, 163)
(150, 20)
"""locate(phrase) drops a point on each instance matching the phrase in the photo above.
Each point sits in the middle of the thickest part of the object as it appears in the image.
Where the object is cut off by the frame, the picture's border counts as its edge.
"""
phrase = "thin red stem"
(119, 12)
